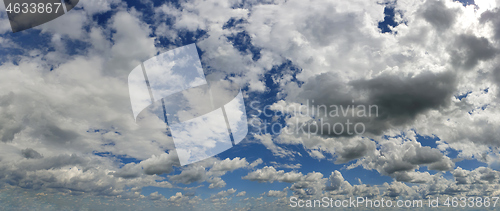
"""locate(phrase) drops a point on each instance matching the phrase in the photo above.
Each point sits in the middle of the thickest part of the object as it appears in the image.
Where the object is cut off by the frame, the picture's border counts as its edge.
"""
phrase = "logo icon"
(26, 14)
(205, 117)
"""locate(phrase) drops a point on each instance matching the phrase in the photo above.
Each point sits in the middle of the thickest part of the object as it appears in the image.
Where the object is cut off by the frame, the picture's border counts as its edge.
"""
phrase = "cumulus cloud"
(211, 171)
(438, 14)
(277, 193)
(242, 193)
(270, 174)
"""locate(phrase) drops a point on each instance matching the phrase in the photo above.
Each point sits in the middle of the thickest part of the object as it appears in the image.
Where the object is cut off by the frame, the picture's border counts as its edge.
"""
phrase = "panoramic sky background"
(68, 136)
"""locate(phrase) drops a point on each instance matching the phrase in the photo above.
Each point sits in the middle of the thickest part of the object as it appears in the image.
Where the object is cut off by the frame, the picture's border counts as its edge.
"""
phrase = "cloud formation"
(65, 132)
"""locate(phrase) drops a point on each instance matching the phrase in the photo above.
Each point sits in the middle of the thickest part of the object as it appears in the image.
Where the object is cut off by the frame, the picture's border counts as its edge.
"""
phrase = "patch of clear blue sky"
(466, 2)
(462, 96)
(389, 13)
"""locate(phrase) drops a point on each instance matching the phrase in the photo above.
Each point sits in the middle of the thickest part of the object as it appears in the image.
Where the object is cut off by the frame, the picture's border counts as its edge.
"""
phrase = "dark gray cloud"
(348, 153)
(437, 14)
(398, 100)
(397, 166)
(31, 153)
(468, 50)
(54, 134)
(493, 17)
(160, 164)
(496, 75)
(401, 99)
(9, 132)
(460, 176)
(442, 165)
(423, 155)
(403, 176)
(129, 171)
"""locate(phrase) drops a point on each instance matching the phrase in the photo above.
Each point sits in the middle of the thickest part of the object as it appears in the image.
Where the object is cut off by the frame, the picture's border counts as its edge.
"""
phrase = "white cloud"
(270, 174)
(242, 193)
